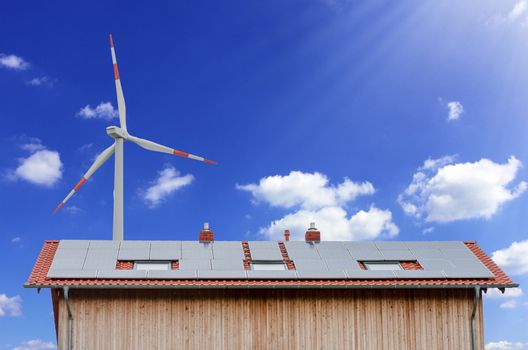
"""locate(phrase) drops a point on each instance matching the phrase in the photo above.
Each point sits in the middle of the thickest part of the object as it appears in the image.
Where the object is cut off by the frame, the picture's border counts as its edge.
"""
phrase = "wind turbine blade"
(121, 107)
(101, 158)
(156, 147)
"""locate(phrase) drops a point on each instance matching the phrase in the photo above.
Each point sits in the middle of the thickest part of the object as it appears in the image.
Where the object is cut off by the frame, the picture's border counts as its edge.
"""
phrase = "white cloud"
(514, 259)
(13, 62)
(16, 239)
(43, 167)
(72, 209)
(32, 144)
(510, 304)
(455, 110)
(316, 200)
(506, 345)
(35, 344)
(334, 224)
(518, 10)
(41, 81)
(443, 192)
(428, 230)
(433, 164)
(104, 110)
(495, 293)
(11, 306)
(307, 190)
(168, 182)
(85, 147)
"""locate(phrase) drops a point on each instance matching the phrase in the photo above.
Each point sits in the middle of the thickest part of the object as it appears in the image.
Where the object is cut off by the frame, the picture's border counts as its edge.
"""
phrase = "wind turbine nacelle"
(116, 132)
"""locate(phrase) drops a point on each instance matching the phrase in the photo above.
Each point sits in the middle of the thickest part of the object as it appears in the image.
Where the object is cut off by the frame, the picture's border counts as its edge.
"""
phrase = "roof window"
(382, 265)
(152, 265)
(268, 265)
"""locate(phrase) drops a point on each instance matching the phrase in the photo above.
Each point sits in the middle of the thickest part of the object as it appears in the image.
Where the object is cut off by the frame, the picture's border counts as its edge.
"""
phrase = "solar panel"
(264, 250)
(225, 274)
(369, 274)
(72, 273)
(165, 250)
(458, 254)
(195, 264)
(427, 253)
(435, 245)
(333, 250)
(73, 244)
(134, 254)
(71, 253)
(196, 250)
(467, 263)
(363, 245)
(391, 245)
(121, 274)
(65, 263)
(164, 254)
(298, 245)
(172, 245)
(398, 254)
(228, 250)
(361, 255)
(329, 274)
(172, 274)
(227, 264)
(310, 265)
(342, 264)
(134, 245)
(97, 259)
(261, 274)
(436, 264)
(418, 274)
(469, 273)
(308, 253)
(104, 245)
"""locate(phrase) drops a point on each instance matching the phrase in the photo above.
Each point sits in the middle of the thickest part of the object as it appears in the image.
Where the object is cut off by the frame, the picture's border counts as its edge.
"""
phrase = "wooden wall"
(271, 319)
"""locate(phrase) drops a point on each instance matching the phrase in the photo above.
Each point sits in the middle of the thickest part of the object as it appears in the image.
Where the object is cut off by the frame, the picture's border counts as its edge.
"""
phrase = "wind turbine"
(120, 135)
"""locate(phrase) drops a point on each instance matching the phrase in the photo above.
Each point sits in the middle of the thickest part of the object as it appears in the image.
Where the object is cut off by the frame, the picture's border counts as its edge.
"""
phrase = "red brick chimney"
(286, 235)
(313, 234)
(206, 235)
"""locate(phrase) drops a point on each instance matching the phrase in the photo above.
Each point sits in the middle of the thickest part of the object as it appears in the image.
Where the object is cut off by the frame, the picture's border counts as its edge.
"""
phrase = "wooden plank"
(270, 319)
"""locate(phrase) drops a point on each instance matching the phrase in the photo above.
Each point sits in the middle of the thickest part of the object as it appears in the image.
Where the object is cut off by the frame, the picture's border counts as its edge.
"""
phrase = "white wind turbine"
(120, 135)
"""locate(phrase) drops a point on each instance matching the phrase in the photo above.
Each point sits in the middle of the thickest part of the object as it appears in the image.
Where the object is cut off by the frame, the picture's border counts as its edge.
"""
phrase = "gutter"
(476, 299)
(70, 316)
(270, 286)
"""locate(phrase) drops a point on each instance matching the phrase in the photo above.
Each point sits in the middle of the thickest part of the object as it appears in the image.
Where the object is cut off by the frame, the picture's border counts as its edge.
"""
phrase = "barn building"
(310, 294)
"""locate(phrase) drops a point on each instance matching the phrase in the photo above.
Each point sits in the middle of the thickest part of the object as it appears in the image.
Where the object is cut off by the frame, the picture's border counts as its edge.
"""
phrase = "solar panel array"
(225, 260)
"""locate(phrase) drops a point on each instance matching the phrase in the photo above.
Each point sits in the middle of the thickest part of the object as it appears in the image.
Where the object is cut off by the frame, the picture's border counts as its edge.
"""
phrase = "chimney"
(206, 235)
(286, 235)
(313, 234)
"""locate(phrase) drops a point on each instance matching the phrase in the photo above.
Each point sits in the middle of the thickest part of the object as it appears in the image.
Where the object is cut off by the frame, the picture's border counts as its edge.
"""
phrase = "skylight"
(268, 265)
(382, 265)
(152, 265)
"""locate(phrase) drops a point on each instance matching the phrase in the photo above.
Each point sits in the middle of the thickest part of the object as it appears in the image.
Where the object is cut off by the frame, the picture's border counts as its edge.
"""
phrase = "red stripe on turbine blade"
(83, 180)
(111, 41)
(210, 161)
(58, 207)
(180, 153)
(116, 72)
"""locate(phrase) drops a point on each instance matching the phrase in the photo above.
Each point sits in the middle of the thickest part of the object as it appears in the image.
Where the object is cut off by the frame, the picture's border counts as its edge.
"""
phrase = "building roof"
(227, 264)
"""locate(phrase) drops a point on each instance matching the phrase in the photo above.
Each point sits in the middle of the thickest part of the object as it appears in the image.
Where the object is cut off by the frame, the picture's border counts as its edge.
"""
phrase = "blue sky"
(320, 110)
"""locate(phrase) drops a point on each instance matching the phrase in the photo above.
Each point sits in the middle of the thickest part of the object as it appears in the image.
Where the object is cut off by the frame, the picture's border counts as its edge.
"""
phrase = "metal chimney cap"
(312, 226)
(206, 226)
